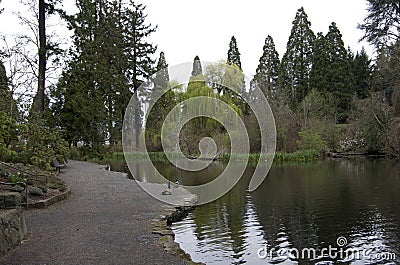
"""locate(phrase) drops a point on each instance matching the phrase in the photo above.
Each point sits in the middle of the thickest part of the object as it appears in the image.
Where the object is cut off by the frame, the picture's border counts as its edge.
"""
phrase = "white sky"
(204, 28)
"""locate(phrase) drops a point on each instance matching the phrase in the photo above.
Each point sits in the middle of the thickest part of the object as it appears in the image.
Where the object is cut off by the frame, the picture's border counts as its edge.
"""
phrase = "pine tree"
(332, 73)
(319, 80)
(197, 69)
(362, 71)
(112, 58)
(268, 69)
(8, 104)
(162, 75)
(234, 54)
(382, 25)
(296, 63)
(165, 102)
(3, 77)
(140, 53)
(386, 72)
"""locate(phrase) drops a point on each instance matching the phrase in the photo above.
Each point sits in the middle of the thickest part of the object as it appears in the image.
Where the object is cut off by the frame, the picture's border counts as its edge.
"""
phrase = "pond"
(333, 211)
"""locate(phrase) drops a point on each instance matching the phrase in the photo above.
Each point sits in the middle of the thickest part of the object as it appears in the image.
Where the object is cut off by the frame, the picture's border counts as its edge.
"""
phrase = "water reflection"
(301, 207)
(298, 206)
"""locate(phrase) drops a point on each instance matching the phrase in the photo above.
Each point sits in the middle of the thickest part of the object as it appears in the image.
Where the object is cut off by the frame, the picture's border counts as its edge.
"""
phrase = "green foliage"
(362, 72)
(382, 24)
(166, 100)
(279, 157)
(310, 140)
(374, 118)
(111, 59)
(267, 71)
(43, 143)
(294, 70)
(331, 72)
(9, 131)
(234, 54)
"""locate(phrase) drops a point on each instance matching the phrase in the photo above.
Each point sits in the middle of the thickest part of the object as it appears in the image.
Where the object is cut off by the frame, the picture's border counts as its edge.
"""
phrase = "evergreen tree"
(110, 61)
(7, 104)
(234, 54)
(139, 56)
(3, 77)
(268, 69)
(382, 25)
(162, 75)
(197, 69)
(166, 101)
(362, 71)
(386, 72)
(331, 71)
(297, 61)
(319, 80)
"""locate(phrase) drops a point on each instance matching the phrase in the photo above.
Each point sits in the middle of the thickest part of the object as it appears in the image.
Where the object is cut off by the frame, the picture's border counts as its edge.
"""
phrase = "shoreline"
(161, 223)
(106, 220)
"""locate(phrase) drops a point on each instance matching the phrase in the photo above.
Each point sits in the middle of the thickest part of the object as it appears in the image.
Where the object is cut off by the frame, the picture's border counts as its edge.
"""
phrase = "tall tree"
(332, 73)
(268, 69)
(386, 71)
(110, 60)
(162, 75)
(197, 69)
(233, 53)
(7, 103)
(296, 63)
(165, 102)
(140, 53)
(382, 25)
(44, 8)
(362, 71)
(42, 57)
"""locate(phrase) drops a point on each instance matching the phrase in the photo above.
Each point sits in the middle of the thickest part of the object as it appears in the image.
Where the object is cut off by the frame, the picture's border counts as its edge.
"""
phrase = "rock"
(10, 200)
(166, 192)
(35, 191)
(19, 165)
(12, 229)
(17, 188)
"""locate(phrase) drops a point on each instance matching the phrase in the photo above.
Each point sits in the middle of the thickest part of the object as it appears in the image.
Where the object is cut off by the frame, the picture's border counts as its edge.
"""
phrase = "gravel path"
(105, 221)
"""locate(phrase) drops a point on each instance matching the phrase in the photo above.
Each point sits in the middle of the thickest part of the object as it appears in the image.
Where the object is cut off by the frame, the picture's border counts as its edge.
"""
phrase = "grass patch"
(299, 156)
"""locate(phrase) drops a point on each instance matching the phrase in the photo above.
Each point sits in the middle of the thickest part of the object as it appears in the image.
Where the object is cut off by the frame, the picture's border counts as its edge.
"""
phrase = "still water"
(298, 207)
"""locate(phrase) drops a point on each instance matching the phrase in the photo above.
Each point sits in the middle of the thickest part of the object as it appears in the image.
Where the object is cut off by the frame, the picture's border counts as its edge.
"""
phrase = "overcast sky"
(204, 28)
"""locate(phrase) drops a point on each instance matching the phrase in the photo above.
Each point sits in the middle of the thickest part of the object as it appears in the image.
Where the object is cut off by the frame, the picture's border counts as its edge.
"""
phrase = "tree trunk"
(42, 57)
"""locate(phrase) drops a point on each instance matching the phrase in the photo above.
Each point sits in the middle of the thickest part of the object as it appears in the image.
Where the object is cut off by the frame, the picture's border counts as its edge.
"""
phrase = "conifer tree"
(162, 75)
(362, 71)
(267, 71)
(382, 25)
(332, 73)
(110, 61)
(233, 53)
(197, 68)
(7, 103)
(165, 102)
(296, 63)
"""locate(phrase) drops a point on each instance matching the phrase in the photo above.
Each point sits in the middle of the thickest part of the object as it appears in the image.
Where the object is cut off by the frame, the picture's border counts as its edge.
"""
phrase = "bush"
(43, 144)
(310, 140)
(8, 136)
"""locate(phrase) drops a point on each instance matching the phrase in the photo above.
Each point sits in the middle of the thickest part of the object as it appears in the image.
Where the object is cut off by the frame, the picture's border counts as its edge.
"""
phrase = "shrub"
(310, 140)
(43, 144)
